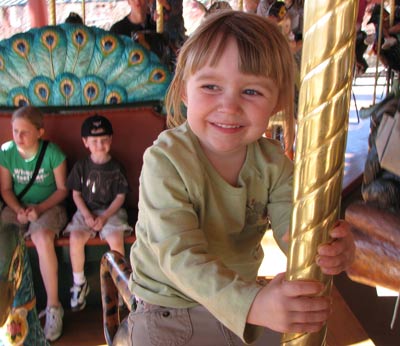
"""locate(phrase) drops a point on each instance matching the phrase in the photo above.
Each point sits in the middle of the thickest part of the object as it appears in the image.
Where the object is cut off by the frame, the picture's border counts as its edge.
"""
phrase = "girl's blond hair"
(263, 50)
(32, 114)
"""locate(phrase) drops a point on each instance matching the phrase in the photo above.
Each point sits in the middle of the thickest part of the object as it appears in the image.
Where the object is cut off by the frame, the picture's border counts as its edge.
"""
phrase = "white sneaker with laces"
(78, 296)
(54, 322)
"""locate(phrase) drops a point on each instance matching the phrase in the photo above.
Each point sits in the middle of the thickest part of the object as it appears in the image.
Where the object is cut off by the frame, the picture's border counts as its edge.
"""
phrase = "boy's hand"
(22, 216)
(338, 255)
(99, 223)
(290, 306)
(89, 220)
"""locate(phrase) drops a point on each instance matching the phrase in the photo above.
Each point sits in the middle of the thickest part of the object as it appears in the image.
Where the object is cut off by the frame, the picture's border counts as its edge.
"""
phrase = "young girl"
(38, 211)
(210, 188)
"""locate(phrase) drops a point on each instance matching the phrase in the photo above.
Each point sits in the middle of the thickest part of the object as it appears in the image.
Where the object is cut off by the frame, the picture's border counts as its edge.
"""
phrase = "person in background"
(174, 25)
(211, 186)
(263, 7)
(99, 186)
(294, 10)
(138, 19)
(74, 18)
(38, 209)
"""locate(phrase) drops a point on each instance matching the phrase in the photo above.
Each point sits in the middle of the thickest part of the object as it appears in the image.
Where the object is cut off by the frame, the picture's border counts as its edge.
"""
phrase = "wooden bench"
(135, 128)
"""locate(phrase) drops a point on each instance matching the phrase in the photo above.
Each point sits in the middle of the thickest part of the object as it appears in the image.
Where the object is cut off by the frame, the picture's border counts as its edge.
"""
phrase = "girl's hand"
(32, 213)
(22, 216)
(99, 223)
(290, 306)
(338, 255)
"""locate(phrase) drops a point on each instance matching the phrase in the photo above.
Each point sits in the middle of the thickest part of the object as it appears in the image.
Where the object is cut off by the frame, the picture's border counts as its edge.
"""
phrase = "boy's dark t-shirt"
(99, 184)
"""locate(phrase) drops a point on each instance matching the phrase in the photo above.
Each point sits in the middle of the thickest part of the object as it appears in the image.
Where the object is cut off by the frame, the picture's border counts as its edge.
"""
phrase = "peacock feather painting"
(76, 65)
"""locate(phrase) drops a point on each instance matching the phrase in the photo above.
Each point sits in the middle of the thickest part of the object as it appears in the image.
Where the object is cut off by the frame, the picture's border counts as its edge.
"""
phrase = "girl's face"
(26, 135)
(227, 109)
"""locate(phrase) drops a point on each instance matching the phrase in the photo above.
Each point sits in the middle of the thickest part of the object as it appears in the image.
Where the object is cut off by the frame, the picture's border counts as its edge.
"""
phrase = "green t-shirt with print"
(22, 169)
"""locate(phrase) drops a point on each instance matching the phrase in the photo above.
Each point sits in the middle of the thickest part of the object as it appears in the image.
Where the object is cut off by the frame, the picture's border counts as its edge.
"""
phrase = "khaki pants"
(152, 325)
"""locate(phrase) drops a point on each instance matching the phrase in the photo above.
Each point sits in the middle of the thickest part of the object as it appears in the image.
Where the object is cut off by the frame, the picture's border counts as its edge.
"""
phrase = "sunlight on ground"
(274, 259)
(364, 343)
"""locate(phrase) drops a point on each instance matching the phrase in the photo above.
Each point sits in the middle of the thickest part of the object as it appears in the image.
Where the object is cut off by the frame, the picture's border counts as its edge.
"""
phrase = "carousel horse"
(76, 65)
(114, 277)
(380, 186)
(376, 219)
(19, 322)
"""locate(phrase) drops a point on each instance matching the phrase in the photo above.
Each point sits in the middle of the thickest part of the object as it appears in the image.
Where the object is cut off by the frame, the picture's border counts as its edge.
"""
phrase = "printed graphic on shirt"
(99, 183)
(22, 176)
(257, 214)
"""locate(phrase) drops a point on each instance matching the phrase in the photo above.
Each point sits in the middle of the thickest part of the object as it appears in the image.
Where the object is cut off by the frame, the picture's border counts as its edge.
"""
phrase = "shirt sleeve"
(57, 155)
(280, 202)
(74, 180)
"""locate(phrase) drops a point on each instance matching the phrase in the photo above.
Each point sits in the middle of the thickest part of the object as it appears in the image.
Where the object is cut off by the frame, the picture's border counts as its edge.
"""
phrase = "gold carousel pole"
(392, 9)
(160, 17)
(240, 5)
(84, 11)
(378, 51)
(324, 102)
(52, 12)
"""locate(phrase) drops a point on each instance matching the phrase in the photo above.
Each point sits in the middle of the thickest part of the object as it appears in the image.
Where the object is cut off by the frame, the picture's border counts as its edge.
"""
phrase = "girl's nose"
(229, 103)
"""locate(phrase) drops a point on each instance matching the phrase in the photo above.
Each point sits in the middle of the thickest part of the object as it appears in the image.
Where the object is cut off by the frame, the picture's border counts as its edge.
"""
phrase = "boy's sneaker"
(54, 322)
(78, 295)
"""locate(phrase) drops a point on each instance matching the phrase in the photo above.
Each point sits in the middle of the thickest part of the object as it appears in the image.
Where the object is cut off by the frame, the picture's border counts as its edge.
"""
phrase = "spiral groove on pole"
(160, 17)
(324, 102)
(52, 12)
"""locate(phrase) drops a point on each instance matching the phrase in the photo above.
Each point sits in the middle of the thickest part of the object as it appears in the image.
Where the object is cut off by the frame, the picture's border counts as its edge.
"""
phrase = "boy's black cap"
(96, 125)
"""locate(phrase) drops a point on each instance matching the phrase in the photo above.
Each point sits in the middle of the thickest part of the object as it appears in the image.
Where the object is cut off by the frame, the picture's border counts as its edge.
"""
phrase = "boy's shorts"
(53, 219)
(116, 223)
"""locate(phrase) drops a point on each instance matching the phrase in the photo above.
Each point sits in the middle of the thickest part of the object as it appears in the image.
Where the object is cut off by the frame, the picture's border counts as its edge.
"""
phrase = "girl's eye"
(251, 92)
(209, 87)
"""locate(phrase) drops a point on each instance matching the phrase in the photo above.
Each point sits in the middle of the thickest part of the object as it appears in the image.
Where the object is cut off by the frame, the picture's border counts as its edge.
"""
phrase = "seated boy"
(99, 186)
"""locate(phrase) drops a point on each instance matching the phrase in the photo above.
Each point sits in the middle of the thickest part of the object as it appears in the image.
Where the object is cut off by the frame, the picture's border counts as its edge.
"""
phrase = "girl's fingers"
(312, 305)
(302, 288)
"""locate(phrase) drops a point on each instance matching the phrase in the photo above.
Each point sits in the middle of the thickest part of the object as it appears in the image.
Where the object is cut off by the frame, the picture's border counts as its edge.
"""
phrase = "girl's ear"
(184, 97)
(41, 132)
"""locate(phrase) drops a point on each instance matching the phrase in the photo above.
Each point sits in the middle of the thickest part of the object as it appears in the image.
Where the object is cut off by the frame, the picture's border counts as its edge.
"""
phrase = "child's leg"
(116, 241)
(43, 232)
(44, 243)
(77, 241)
(80, 288)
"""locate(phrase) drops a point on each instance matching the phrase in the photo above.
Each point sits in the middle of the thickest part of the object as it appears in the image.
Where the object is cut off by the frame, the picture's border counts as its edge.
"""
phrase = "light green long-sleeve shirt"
(198, 237)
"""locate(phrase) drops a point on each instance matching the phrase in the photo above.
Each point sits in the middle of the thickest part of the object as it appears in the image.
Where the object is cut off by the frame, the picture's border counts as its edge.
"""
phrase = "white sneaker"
(78, 296)
(54, 322)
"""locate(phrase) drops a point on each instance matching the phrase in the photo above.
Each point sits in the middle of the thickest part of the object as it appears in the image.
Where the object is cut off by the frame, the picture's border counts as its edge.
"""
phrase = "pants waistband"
(141, 305)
